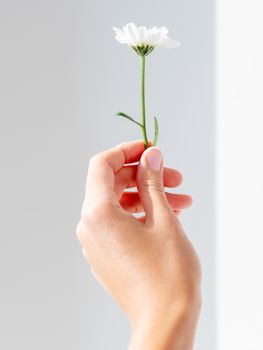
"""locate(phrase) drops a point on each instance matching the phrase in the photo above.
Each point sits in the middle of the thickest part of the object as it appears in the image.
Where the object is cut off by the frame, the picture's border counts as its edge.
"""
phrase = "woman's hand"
(147, 264)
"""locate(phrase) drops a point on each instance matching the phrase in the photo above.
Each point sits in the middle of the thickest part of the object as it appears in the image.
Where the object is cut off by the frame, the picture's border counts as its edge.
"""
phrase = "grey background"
(62, 78)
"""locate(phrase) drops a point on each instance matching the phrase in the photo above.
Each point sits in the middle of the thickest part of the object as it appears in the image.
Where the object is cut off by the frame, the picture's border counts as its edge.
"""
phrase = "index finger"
(104, 165)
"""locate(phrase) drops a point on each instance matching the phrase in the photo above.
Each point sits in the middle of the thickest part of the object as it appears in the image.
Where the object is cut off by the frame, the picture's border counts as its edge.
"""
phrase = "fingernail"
(153, 156)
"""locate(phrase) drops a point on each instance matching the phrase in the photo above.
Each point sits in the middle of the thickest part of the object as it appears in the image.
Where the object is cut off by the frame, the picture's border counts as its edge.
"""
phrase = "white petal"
(152, 35)
(142, 35)
(120, 35)
(120, 39)
(155, 38)
(161, 35)
(164, 31)
(169, 43)
(117, 30)
(132, 33)
(153, 30)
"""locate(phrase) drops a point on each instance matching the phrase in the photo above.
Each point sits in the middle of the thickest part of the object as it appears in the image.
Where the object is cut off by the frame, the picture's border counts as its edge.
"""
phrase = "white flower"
(144, 40)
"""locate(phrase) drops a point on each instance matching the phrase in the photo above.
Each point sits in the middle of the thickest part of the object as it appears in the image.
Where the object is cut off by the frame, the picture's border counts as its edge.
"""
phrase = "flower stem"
(144, 133)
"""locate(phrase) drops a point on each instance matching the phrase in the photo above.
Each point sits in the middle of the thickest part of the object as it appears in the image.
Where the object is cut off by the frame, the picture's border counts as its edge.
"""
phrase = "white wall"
(239, 174)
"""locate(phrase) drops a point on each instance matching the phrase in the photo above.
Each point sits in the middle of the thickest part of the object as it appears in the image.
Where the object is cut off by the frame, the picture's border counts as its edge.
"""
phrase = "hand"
(147, 264)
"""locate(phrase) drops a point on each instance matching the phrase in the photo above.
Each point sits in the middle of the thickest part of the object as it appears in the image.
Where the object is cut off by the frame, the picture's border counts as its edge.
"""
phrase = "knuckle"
(96, 212)
(95, 159)
(153, 184)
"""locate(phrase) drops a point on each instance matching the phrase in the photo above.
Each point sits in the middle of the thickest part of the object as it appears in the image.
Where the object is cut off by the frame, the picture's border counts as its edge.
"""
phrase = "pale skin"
(147, 264)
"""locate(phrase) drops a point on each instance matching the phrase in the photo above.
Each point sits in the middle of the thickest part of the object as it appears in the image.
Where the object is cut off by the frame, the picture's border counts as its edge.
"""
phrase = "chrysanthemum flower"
(144, 40)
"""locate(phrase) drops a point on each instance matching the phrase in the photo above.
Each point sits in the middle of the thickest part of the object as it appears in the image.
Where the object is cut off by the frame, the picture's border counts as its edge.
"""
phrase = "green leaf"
(156, 131)
(121, 114)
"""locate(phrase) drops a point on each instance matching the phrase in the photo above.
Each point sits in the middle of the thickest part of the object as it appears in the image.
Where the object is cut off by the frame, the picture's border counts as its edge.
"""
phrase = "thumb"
(150, 183)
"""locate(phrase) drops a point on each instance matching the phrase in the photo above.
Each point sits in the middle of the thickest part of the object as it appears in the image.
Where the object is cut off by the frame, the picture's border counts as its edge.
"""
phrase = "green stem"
(144, 133)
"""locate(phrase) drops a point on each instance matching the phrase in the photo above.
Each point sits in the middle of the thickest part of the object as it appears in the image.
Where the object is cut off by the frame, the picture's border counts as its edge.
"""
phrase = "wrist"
(171, 328)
